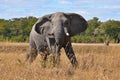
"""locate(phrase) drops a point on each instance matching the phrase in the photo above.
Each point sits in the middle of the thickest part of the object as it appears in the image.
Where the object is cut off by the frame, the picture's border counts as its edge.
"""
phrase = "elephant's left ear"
(78, 24)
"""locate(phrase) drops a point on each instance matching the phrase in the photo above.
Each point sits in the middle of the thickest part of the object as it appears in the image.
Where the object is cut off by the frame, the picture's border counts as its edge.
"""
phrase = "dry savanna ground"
(96, 62)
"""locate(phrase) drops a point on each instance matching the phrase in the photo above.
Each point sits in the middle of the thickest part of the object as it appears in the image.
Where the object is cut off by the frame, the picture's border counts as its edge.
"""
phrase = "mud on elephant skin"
(52, 32)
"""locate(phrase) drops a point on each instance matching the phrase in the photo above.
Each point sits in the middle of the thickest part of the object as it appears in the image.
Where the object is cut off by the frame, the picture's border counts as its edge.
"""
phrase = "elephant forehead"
(59, 15)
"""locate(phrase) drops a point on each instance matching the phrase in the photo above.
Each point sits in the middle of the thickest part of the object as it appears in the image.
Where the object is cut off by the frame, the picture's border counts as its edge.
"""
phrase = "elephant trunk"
(60, 35)
(60, 32)
(59, 38)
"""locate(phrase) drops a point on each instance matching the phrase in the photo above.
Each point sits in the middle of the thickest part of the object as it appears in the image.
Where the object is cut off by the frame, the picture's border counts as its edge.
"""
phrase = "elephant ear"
(41, 21)
(77, 24)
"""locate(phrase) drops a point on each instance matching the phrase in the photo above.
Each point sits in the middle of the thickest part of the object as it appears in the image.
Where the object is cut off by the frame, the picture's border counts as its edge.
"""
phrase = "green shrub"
(18, 39)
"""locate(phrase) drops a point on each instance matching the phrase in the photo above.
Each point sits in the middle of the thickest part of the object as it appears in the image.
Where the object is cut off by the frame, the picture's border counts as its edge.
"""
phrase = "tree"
(110, 30)
(16, 29)
(88, 36)
(93, 24)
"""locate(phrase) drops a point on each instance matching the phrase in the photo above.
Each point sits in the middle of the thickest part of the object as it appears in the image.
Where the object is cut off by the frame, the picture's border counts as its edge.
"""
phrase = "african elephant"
(53, 32)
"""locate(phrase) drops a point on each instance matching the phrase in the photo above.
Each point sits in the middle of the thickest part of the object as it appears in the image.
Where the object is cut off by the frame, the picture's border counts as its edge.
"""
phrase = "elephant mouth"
(51, 35)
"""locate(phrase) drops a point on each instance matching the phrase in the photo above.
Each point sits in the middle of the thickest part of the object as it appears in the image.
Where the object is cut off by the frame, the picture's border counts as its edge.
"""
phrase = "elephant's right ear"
(40, 22)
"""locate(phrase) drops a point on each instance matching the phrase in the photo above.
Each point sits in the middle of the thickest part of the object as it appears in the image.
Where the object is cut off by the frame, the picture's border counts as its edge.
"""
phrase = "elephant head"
(62, 24)
(57, 29)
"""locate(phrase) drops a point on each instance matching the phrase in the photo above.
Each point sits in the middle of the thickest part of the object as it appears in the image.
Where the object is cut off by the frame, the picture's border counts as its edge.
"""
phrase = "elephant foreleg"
(70, 54)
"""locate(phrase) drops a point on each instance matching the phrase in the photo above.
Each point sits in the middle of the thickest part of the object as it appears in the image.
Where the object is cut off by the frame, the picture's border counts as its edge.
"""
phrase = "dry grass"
(96, 62)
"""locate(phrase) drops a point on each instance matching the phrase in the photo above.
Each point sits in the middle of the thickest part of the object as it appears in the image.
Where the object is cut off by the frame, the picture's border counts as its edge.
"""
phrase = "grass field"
(96, 62)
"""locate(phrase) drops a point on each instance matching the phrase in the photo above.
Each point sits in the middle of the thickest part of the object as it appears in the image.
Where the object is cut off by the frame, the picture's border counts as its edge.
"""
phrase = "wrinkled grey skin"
(52, 32)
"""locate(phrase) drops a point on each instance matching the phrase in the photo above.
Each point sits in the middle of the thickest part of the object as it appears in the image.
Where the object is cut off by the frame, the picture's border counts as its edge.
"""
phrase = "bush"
(2, 38)
(87, 39)
(76, 39)
(18, 39)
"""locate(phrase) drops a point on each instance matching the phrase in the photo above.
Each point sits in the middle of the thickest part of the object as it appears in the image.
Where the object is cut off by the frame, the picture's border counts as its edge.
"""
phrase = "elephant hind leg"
(31, 56)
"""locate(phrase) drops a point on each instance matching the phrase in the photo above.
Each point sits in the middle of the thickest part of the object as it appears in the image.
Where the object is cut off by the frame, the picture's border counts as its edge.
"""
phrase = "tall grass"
(96, 62)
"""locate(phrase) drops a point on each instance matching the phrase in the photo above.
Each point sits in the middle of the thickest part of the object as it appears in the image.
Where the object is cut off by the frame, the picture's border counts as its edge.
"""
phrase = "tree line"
(18, 29)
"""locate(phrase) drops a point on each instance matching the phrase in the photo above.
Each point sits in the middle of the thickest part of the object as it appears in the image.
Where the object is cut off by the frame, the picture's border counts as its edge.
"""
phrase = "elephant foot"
(43, 63)
(57, 59)
(31, 56)
(54, 62)
(74, 62)
(44, 59)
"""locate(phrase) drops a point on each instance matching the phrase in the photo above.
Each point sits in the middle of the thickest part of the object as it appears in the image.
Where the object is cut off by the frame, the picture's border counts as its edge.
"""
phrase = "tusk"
(48, 43)
(67, 34)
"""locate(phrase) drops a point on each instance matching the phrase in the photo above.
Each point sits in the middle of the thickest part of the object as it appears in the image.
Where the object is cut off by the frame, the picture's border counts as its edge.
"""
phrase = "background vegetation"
(18, 29)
